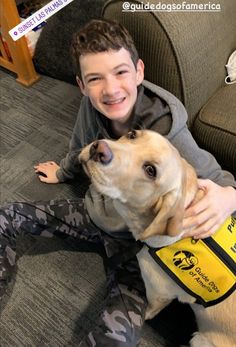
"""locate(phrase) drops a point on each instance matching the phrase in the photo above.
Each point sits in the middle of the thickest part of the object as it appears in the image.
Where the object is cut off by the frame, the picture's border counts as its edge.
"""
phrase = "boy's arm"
(84, 132)
(206, 216)
(69, 166)
(51, 172)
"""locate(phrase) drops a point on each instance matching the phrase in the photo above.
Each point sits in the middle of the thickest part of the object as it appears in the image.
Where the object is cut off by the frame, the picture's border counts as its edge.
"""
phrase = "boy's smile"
(110, 80)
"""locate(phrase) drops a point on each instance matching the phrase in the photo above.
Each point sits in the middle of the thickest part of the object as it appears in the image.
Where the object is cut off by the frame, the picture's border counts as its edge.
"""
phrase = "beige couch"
(186, 53)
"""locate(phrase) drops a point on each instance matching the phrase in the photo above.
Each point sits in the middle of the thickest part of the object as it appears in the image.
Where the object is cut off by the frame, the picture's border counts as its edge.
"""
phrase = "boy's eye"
(93, 79)
(122, 72)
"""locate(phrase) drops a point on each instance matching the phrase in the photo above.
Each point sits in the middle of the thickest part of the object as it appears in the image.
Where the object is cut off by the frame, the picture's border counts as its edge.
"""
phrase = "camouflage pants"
(122, 318)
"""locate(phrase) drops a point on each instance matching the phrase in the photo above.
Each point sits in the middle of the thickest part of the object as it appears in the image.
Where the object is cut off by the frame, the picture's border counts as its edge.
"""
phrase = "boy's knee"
(118, 332)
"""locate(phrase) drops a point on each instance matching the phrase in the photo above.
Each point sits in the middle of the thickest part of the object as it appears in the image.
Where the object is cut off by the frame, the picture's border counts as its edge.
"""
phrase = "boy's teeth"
(111, 102)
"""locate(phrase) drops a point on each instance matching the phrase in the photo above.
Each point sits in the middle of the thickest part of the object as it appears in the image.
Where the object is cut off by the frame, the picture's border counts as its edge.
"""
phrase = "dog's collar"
(159, 241)
(154, 249)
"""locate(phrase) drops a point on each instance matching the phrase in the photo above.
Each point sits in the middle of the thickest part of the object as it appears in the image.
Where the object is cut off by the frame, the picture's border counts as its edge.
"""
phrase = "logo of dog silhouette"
(185, 260)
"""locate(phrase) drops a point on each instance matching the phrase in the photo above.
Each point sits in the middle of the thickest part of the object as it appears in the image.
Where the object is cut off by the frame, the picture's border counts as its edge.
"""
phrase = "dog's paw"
(155, 306)
(149, 314)
(198, 340)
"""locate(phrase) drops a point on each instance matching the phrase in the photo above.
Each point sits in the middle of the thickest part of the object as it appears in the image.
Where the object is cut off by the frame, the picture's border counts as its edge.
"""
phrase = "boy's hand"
(207, 215)
(49, 169)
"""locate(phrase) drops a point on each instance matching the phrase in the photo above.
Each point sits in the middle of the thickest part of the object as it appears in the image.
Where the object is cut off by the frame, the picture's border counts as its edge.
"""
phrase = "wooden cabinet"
(17, 58)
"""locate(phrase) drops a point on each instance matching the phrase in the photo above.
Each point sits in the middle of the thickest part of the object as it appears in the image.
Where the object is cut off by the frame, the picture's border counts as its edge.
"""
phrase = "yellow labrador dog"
(151, 185)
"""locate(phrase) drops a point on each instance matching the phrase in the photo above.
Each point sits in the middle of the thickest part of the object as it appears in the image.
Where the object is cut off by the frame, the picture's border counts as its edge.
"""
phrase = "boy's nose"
(111, 87)
(101, 152)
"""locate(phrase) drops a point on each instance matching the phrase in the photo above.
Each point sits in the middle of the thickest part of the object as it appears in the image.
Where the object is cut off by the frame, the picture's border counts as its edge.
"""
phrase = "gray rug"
(36, 125)
(52, 304)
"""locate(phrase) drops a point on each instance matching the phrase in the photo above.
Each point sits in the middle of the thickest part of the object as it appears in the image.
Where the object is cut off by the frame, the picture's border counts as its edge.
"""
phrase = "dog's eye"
(150, 170)
(132, 134)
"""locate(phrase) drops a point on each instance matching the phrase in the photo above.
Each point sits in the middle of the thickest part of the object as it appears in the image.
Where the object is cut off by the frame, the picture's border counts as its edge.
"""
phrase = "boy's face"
(110, 80)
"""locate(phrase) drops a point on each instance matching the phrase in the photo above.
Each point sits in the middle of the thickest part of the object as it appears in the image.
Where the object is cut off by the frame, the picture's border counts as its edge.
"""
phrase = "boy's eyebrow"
(121, 65)
(92, 74)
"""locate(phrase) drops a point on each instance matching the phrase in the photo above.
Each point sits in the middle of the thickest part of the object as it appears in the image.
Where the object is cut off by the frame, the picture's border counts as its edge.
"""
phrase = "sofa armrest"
(215, 127)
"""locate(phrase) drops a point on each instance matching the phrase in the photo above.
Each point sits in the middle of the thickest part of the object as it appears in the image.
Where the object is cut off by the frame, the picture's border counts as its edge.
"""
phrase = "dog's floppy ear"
(170, 208)
(169, 216)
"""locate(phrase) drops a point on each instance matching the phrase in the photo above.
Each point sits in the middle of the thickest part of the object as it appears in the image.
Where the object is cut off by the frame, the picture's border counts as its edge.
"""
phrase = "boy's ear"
(140, 72)
(81, 85)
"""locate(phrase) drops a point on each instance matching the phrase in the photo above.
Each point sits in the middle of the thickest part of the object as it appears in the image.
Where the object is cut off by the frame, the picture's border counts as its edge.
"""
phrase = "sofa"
(186, 53)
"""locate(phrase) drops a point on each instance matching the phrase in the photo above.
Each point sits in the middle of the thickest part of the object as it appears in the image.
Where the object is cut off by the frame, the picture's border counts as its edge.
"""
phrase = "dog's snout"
(101, 152)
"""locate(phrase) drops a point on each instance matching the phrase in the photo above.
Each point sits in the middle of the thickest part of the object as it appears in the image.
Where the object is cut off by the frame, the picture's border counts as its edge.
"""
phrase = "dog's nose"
(101, 152)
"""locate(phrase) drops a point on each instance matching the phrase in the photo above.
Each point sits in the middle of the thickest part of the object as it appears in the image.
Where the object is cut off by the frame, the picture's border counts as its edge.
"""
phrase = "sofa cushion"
(215, 127)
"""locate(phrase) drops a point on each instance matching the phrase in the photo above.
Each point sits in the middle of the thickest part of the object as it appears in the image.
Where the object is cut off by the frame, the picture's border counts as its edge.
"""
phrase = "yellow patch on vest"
(205, 268)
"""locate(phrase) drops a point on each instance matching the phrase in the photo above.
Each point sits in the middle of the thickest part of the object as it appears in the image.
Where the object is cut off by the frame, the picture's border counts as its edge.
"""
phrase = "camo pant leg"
(120, 322)
(122, 318)
(65, 218)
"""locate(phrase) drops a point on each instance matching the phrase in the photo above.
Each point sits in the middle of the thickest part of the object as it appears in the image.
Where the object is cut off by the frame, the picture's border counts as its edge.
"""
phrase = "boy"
(116, 99)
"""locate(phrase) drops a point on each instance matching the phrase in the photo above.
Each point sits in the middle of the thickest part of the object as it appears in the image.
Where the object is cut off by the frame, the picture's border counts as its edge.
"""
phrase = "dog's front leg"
(155, 306)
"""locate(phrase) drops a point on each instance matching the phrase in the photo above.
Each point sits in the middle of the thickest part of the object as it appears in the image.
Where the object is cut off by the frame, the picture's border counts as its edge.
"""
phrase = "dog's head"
(145, 172)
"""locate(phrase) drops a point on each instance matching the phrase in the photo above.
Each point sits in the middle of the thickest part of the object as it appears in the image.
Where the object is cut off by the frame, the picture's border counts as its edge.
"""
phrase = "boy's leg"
(62, 218)
(121, 321)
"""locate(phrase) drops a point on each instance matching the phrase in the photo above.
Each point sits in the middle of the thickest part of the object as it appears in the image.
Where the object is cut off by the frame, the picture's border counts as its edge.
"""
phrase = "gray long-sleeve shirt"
(155, 109)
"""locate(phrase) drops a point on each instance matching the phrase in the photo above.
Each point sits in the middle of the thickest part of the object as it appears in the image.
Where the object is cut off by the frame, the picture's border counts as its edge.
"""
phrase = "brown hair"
(101, 36)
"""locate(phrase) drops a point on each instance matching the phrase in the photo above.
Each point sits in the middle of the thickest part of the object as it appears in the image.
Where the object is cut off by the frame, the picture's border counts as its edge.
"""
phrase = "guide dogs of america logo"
(185, 260)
